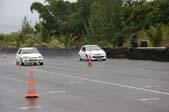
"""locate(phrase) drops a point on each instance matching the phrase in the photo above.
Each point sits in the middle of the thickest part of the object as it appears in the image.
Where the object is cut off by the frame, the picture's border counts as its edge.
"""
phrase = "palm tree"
(155, 35)
(68, 40)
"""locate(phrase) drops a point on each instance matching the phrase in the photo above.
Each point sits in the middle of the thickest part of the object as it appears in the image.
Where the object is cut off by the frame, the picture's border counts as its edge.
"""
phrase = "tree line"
(108, 23)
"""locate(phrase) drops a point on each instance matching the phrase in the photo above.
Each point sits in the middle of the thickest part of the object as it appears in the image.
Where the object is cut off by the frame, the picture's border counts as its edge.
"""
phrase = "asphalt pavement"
(65, 84)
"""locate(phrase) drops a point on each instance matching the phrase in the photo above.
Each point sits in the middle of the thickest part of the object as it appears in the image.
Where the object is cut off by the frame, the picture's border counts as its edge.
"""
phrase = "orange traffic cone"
(89, 61)
(31, 93)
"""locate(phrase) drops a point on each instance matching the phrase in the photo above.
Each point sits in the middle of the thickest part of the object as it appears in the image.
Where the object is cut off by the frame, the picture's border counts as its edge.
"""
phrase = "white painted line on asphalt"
(73, 82)
(104, 82)
(151, 86)
(150, 99)
(52, 92)
(30, 107)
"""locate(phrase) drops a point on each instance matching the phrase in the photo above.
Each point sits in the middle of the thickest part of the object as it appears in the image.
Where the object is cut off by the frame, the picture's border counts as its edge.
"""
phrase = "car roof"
(89, 45)
(25, 48)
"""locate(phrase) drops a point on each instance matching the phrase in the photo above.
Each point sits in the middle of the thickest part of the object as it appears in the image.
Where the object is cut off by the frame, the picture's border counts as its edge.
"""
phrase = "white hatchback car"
(94, 51)
(29, 55)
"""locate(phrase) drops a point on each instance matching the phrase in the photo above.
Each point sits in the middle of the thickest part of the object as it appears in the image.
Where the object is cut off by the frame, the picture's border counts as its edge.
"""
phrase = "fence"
(157, 54)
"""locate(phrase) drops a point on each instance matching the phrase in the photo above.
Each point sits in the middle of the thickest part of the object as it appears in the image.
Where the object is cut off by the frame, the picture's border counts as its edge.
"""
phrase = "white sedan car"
(93, 52)
(28, 55)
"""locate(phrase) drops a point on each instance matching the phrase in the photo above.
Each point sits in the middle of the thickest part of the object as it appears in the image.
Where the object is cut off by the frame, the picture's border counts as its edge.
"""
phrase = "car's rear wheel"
(41, 63)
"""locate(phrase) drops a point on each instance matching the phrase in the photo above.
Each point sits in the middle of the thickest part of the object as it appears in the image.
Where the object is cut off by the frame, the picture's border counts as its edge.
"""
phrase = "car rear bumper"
(32, 61)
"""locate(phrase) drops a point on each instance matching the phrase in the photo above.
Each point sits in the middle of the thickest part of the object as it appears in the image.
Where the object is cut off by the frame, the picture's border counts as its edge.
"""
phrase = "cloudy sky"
(12, 13)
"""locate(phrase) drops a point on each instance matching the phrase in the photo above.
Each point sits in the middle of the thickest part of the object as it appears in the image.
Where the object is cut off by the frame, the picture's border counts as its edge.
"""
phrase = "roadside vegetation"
(108, 23)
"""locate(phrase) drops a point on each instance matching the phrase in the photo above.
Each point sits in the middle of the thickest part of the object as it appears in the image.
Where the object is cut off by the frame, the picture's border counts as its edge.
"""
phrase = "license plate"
(33, 60)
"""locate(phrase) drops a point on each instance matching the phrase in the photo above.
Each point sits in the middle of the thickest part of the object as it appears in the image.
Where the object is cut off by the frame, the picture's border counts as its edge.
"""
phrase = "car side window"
(84, 49)
(19, 52)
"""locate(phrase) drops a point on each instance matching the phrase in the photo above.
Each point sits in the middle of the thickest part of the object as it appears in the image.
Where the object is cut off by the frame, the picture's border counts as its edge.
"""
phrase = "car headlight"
(104, 54)
(40, 57)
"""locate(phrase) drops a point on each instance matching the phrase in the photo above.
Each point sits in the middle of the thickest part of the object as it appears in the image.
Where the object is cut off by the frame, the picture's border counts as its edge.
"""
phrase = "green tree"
(155, 36)
(3, 40)
(108, 23)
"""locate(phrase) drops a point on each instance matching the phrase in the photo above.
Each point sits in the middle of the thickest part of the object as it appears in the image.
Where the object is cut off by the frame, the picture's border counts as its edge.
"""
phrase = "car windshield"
(29, 51)
(93, 47)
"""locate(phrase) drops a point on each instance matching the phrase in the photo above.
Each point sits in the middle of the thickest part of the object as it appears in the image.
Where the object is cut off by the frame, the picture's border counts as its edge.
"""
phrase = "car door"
(18, 55)
(83, 52)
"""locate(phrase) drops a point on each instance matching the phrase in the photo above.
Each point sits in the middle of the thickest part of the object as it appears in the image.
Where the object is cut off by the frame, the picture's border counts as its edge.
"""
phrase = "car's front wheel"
(21, 62)
(80, 59)
(87, 57)
(17, 63)
(41, 63)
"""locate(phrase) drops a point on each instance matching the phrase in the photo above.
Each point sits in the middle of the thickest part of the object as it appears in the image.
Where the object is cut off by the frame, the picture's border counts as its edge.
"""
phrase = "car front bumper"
(101, 57)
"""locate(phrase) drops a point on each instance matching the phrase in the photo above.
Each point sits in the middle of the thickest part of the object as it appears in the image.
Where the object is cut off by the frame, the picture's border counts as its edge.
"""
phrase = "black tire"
(41, 63)
(21, 63)
(104, 59)
(17, 63)
(80, 59)
(87, 58)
